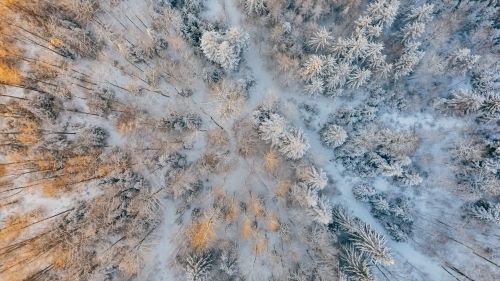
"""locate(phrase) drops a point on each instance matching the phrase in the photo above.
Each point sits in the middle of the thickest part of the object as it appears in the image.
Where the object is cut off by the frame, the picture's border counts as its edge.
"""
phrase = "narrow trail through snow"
(264, 83)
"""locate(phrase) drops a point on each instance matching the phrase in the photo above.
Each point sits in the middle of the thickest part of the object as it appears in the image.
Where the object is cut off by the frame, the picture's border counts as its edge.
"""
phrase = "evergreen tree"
(295, 144)
(333, 135)
(371, 242)
(462, 60)
(197, 267)
(320, 40)
(355, 264)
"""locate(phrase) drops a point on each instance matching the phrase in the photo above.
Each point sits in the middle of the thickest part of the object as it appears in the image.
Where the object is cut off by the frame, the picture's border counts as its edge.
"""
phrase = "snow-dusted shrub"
(224, 49)
(333, 135)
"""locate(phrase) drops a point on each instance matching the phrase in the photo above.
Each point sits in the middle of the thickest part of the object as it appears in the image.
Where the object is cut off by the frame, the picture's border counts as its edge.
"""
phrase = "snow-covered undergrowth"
(249, 140)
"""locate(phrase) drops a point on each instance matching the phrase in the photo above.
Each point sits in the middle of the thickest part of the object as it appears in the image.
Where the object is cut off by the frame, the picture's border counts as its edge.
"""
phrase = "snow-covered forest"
(232, 140)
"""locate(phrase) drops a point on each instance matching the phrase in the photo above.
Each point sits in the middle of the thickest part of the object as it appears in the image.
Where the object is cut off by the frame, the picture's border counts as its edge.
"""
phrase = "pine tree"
(409, 179)
(363, 192)
(227, 263)
(273, 130)
(322, 211)
(295, 144)
(462, 60)
(224, 49)
(383, 11)
(422, 13)
(358, 78)
(379, 203)
(333, 135)
(197, 267)
(357, 47)
(464, 102)
(255, 6)
(315, 87)
(491, 105)
(412, 31)
(355, 264)
(313, 178)
(371, 242)
(406, 62)
(312, 68)
(340, 49)
(485, 211)
(396, 233)
(320, 40)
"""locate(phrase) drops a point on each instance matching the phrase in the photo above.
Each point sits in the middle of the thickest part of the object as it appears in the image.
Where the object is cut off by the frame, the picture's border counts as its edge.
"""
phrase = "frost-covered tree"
(321, 212)
(409, 179)
(404, 65)
(320, 39)
(379, 203)
(355, 264)
(357, 46)
(227, 263)
(312, 68)
(363, 192)
(372, 242)
(462, 60)
(422, 13)
(197, 267)
(358, 78)
(412, 31)
(224, 49)
(273, 130)
(396, 233)
(255, 6)
(383, 11)
(491, 105)
(464, 102)
(487, 80)
(315, 87)
(484, 210)
(312, 177)
(333, 135)
(340, 49)
(295, 144)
